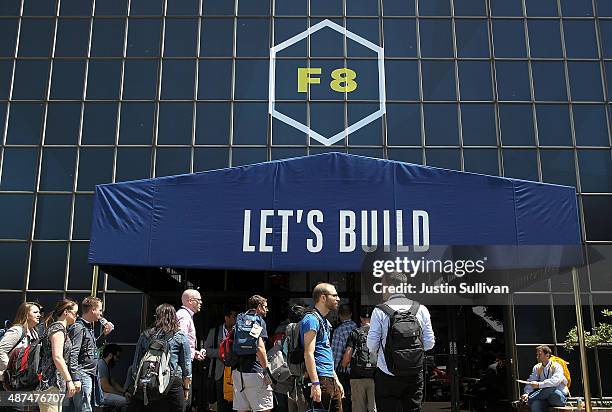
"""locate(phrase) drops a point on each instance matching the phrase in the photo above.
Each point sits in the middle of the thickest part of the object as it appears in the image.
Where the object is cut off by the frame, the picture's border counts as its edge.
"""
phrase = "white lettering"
(284, 214)
(310, 245)
(347, 231)
(264, 230)
(246, 233)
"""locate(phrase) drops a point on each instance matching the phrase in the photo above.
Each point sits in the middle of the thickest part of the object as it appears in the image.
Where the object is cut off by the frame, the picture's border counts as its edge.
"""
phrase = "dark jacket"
(85, 346)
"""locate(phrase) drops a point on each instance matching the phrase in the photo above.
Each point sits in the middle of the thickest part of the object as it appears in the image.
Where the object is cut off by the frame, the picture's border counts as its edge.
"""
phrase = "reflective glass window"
(516, 122)
(68, 79)
(502, 8)
(136, 123)
(35, 37)
(172, 161)
(541, 8)
(53, 217)
(183, 8)
(438, 80)
(175, 123)
(436, 37)
(327, 119)
(214, 79)
(218, 7)
(217, 38)
(605, 27)
(580, 38)
(400, 37)
(111, 8)
(133, 163)
(210, 158)
(370, 134)
(282, 133)
(254, 8)
(509, 38)
(604, 8)
(326, 7)
(140, 80)
(212, 124)
(596, 217)
(512, 80)
(481, 161)
(251, 81)
(79, 267)
(529, 331)
(180, 37)
(434, 8)
(6, 72)
(362, 8)
(290, 7)
(8, 34)
(285, 80)
(366, 28)
(472, 38)
(146, 7)
(322, 91)
(95, 167)
(250, 123)
(470, 8)
(327, 42)
(284, 29)
(403, 75)
(553, 125)
(571, 8)
(245, 156)
(62, 123)
(475, 80)
(520, 164)
(104, 78)
(48, 267)
(608, 69)
(595, 170)
(31, 78)
(441, 124)
(279, 153)
(590, 125)
(558, 167)
(544, 38)
(19, 168)
(445, 158)
(252, 38)
(398, 8)
(125, 311)
(375, 152)
(585, 81)
(99, 122)
(414, 156)
(72, 38)
(14, 261)
(178, 77)
(57, 170)
(10, 8)
(75, 8)
(83, 211)
(549, 80)
(16, 212)
(143, 37)
(478, 123)
(25, 123)
(108, 37)
(367, 80)
(39, 8)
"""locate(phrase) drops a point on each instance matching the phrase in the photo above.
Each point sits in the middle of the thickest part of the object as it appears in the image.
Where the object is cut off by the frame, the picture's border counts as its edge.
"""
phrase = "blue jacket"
(180, 354)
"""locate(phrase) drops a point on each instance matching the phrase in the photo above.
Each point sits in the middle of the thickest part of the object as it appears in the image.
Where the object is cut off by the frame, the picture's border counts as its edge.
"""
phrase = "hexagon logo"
(307, 80)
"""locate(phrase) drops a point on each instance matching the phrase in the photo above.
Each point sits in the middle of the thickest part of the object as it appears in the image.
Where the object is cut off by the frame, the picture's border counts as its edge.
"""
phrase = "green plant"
(601, 334)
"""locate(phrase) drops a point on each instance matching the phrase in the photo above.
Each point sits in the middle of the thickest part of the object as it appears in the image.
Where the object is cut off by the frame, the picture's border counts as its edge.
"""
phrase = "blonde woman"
(20, 334)
(55, 355)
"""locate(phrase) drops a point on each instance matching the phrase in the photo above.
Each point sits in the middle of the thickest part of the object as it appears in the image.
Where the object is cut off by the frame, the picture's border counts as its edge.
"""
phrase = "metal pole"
(584, 364)
(94, 280)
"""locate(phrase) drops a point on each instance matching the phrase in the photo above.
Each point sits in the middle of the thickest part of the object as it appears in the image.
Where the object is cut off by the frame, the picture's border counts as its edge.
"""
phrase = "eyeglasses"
(335, 295)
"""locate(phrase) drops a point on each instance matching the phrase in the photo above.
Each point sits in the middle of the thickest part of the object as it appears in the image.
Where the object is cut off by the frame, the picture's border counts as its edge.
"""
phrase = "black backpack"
(404, 351)
(295, 346)
(363, 363)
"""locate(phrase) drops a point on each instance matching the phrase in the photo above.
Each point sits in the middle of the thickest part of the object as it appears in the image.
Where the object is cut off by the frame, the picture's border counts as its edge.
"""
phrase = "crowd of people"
(376, 365)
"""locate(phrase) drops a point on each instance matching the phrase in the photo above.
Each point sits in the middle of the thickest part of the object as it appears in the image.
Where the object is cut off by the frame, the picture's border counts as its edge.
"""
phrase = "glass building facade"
(113, 90)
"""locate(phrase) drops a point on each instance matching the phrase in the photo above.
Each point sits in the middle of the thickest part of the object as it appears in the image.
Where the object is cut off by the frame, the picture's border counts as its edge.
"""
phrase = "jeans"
(81, 401)
(545, 397)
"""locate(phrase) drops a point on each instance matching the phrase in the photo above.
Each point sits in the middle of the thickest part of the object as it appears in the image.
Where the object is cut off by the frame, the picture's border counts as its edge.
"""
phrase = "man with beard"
(325, 388)
(113, 392)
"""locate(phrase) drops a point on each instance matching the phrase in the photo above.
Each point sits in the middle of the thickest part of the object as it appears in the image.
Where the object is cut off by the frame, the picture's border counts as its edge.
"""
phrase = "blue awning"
(315, 212)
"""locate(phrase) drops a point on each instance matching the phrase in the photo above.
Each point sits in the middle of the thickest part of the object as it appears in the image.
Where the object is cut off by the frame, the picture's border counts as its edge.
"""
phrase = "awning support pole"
(94, 280)
(584, 364)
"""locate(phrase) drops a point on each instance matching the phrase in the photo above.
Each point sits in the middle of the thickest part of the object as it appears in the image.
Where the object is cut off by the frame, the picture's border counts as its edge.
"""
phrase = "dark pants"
(345, 380)
(331, 398)
(174, 401)
(398, 394)
(222, 404)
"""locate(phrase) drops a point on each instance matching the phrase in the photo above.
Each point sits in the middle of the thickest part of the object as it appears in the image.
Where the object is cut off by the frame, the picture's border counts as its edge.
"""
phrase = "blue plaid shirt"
(341, 334)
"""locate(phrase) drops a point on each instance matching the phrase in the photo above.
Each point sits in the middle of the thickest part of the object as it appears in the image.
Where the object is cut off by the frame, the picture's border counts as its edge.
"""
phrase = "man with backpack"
(339, 336)
(362, 367)
(549, 382)
(325, 388)
(251, 378)
(400, 332)
(84, 354)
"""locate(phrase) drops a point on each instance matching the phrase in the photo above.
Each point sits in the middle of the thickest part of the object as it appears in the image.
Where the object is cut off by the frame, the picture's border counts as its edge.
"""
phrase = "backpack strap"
(23, 334)
(414, 308)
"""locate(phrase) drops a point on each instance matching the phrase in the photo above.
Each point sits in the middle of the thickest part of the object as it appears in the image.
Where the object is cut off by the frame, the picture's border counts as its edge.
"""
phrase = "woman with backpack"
(21, 334)
(163, 349)
(55, 356)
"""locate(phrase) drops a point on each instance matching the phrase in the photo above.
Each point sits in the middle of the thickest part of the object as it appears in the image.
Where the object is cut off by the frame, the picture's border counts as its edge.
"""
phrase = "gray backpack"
(152, 380)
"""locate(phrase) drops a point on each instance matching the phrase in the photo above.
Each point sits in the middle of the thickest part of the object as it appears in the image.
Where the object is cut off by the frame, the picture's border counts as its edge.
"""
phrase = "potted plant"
(600, 337)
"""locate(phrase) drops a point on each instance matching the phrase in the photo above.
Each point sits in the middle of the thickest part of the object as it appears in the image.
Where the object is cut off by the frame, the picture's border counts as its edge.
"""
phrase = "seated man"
(548, 385)
(113, 392)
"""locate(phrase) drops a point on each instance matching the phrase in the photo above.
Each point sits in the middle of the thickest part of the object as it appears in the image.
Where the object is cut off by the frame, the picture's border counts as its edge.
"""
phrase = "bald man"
(192, 304)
